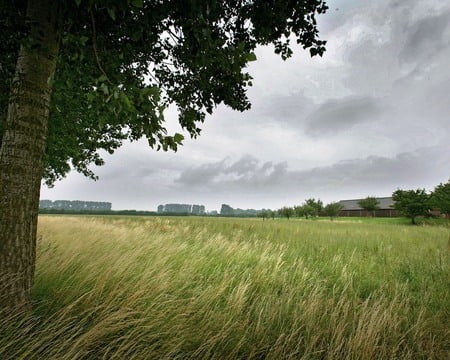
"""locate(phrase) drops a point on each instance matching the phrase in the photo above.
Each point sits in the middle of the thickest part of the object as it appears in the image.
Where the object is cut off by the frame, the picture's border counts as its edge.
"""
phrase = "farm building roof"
(384, 203)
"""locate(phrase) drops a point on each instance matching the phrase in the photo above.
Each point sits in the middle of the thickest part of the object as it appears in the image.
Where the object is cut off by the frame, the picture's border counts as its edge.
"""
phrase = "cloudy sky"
(371, 116)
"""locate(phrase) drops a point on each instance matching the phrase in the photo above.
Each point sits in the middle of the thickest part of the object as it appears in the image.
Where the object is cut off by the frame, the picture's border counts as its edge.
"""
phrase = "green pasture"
(228, 288)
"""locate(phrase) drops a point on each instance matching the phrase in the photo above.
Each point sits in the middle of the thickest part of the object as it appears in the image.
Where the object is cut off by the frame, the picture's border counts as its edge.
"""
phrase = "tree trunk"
(22, 152)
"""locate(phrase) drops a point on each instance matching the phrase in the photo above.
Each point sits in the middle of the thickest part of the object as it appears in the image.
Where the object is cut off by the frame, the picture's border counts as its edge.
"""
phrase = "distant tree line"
(310, 208)
(182, 209)
(75, 205)
(227, 210)
(409, 203)
(109, 212)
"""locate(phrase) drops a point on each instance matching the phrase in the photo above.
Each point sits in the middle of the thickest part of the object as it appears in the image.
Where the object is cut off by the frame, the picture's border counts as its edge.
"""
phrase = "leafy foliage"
(286, 212)
(440, 198)
(123, 63)
(313, 207)
(411, 203)
(370, 203)
(264, 214)
(332, 209)
(299, 211)
(310, 208)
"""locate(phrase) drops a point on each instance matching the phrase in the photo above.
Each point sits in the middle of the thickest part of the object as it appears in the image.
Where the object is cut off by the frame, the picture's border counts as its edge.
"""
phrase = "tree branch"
(94, 46)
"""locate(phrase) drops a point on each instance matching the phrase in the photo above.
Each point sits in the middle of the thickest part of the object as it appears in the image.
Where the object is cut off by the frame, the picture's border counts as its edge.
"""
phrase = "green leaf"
(152, 92)
(178, 138)
(136, 36)
(251, 57)
(78, 2)
(126, 101)
(104, 89)
(112, 13)
(137, 3)
(83, 40)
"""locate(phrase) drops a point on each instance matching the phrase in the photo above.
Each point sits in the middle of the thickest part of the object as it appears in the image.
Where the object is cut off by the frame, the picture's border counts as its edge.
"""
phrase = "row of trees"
(414, 203)
(309, 209)
(227, 210)
(409, 203)
(75, 205)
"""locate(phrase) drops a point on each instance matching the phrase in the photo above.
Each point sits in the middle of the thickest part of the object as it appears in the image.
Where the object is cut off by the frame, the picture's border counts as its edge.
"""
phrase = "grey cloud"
(284, 108)
(247, 171)
(426, 37)
(353, 177)
(407, 170)
(399, 40)
(250, 175)
(338, 115)
(202, 174)
(433, 109)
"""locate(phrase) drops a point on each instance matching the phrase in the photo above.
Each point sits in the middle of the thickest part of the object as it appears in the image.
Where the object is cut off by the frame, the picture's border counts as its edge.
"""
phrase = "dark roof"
(384, 203)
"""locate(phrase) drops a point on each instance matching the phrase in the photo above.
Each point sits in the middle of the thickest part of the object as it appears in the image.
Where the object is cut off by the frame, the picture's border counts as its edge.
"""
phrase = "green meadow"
(224, 288)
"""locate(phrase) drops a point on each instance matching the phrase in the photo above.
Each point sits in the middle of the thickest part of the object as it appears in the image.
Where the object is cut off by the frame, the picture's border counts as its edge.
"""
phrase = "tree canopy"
(332, 209)
(411, 203)
(440, 198)
(83, 76)
(122, 63)
(370, 204)
(286, 212)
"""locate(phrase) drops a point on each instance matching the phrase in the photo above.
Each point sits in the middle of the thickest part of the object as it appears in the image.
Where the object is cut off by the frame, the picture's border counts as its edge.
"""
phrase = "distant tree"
(440, 198)
(309, 211)
(286, 212)
(264, 214)
(332, 209)
(314, 207)
(298, 211)
(369, 204)
(411, 203)
(272, 214)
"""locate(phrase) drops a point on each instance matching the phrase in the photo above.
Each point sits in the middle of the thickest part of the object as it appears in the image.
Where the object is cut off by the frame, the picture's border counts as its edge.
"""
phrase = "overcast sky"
(371, 116)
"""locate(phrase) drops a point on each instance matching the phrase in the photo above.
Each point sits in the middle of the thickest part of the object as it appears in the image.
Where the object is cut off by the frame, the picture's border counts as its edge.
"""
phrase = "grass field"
(202, 288)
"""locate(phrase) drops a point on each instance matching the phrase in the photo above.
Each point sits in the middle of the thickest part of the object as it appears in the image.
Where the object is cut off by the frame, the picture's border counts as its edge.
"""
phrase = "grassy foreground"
(195, 288)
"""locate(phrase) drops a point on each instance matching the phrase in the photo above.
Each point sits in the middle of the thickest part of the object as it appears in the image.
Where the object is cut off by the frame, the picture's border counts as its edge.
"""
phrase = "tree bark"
(22, 152)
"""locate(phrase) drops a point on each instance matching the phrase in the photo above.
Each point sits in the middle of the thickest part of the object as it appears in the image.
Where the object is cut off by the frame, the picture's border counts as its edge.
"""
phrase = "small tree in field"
(272, 214)
(369, 204)
(309, 211)
(313, 207)
(263, 214)
(332, 210)
(286, 212)
(411, 203)
(299, 211)
(440, 198)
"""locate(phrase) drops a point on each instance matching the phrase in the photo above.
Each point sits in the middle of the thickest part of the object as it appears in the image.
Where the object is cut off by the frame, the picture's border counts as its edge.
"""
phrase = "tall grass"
(194, 288)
